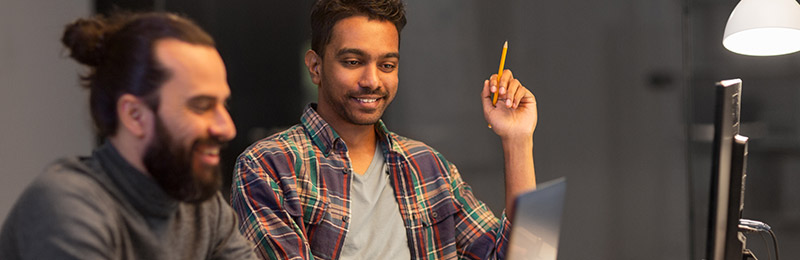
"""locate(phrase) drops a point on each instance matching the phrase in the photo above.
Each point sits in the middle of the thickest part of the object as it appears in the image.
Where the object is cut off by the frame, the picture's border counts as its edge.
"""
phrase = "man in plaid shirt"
(340, 185)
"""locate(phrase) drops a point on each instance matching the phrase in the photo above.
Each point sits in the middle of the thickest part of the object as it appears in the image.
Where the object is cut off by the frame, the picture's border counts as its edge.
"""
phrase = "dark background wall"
(262, 44)
(624, 92)
(770, 117)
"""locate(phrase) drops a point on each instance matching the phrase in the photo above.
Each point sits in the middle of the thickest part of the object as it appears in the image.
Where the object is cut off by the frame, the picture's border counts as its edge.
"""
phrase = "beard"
(359, 117)
(171, 165)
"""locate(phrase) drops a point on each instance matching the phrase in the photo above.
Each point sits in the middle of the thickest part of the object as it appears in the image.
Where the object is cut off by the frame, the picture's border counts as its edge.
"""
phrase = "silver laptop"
(537, 222)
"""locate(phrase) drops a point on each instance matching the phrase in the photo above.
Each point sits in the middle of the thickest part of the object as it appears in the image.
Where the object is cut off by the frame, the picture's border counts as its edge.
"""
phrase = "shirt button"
(345, 218)
(435, 215)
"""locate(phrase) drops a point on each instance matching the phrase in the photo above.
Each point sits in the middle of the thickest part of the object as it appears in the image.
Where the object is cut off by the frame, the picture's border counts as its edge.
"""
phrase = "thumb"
(486, 97)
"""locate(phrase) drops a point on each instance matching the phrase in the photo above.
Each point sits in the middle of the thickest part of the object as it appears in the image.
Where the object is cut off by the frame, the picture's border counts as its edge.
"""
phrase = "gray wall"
(43, 110)
(616, 133)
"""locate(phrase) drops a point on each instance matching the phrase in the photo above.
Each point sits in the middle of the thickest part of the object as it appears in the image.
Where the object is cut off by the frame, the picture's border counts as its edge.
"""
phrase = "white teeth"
(211, 151)
(367, 100)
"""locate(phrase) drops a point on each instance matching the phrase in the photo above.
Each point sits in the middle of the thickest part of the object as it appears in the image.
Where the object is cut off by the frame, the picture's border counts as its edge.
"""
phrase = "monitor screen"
(726, 202)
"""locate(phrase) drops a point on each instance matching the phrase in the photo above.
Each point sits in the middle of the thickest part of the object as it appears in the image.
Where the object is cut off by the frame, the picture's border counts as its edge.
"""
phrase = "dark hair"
(120, 53)
(326, 13)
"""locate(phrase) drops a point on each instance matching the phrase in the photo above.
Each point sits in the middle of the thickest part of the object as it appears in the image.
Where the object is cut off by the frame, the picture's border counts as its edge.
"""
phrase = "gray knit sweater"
(100, 207)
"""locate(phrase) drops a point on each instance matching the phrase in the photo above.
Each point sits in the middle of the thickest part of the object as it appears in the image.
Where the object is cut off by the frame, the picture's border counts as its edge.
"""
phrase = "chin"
(366, 121)
(366, 118)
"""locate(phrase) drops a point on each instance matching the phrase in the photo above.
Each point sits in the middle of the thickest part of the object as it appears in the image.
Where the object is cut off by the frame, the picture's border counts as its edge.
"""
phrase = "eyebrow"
(362, 53)
(392, 55)
(202, 98)
(350, 51)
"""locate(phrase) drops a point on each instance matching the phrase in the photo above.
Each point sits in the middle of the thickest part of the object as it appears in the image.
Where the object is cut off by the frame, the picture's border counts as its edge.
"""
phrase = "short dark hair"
(326, 13)
(119, 50)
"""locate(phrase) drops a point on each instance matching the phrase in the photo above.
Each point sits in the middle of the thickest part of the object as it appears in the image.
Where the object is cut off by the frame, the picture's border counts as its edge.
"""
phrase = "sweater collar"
(142, 191)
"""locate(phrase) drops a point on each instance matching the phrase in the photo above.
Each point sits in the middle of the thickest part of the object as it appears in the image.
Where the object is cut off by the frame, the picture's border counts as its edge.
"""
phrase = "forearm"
(520, 175)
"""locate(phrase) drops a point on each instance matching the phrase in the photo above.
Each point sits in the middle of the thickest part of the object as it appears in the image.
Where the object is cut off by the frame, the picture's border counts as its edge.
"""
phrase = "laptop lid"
(537, 222)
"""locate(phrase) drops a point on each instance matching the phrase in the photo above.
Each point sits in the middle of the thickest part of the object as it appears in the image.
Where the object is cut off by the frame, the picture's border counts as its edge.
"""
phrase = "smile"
(208, 154)
(210, 151)
(367, 100)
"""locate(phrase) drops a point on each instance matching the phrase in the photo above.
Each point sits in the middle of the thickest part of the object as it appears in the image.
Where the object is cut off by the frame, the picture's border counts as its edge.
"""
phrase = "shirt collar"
(326, 138)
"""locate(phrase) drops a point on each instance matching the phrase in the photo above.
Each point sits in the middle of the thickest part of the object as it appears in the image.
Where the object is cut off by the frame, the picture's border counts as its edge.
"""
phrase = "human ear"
(134, 115)
(313, 62)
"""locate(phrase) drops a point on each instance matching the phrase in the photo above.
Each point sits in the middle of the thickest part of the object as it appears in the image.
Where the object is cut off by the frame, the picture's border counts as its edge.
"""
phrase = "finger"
(511, 93)
(486, 91)
(505, 79)
(522, 92)
(486, 96)
(493, 83)
(528, 100)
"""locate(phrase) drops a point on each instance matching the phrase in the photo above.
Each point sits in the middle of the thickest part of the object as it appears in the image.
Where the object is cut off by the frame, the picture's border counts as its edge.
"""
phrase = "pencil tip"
(505, 45)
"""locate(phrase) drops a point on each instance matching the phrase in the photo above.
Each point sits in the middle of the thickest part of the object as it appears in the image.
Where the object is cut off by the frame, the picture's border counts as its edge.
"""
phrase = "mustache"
(211, 141)
(364, 91)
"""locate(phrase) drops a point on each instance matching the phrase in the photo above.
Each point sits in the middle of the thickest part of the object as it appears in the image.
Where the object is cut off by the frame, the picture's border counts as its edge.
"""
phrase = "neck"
(360, 140)
(357, 137)
(360, 146)
(132, 153)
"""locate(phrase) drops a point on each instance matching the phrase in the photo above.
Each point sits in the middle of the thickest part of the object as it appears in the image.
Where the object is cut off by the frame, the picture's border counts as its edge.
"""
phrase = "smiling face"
(192, 123)
(357, 77)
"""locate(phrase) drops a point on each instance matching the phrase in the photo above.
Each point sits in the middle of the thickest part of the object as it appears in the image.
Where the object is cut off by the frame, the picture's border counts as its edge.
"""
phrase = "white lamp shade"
(763, 28)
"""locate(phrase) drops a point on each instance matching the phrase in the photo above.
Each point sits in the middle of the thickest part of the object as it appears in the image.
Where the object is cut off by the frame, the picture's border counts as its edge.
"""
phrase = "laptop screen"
(537, 222)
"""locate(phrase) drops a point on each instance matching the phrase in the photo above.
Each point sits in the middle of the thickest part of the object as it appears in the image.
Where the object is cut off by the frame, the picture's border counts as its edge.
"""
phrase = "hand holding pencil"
(500, 71)
(508, 106)
(511, 111)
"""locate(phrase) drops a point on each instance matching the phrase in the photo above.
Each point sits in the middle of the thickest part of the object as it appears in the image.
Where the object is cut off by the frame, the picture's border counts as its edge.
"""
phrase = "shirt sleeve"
(258, 200)
(479, 234)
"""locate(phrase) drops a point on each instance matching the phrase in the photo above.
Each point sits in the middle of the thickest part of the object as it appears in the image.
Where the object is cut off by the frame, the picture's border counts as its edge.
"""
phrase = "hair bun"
(84, 38)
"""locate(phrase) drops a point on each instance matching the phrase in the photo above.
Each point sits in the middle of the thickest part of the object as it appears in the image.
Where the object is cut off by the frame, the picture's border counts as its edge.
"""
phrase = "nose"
(223, 126)
(370, 78)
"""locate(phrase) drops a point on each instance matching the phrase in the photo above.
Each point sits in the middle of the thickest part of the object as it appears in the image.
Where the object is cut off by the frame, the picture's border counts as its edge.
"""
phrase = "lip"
(208, 154)
(369, 102)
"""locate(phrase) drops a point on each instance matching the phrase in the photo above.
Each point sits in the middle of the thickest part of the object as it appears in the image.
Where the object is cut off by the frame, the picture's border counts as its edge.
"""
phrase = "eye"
(388, 67)
(351, 63)
(200, 105)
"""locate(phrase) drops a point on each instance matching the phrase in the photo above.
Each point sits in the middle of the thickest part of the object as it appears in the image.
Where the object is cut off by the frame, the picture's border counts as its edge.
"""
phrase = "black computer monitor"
(726, 202)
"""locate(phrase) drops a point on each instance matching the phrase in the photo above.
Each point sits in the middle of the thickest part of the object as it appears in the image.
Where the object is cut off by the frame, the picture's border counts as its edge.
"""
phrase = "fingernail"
(502, 90)
(493, 89)
(508, 102)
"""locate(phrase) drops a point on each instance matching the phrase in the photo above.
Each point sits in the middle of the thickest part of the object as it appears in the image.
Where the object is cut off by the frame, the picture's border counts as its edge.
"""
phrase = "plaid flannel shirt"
(291, 193)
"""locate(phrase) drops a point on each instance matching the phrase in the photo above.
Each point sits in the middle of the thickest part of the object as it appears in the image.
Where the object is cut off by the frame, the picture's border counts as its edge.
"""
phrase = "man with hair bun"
(158, 91)
(340, 185)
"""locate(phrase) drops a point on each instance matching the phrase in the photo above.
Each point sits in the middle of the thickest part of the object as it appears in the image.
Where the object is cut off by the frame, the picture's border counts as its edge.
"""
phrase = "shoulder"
(276, 154)
(415, 149)
(428, 163)
(69, 180)
(277, 144)
(65, 208)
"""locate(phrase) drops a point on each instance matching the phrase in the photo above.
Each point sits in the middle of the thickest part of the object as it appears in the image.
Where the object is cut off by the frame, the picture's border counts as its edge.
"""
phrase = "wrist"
(515, 148)
(514, 141)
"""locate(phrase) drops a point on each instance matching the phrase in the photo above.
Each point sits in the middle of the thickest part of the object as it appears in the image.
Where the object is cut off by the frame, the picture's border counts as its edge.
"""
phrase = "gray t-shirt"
(100, 207)
(376, 229)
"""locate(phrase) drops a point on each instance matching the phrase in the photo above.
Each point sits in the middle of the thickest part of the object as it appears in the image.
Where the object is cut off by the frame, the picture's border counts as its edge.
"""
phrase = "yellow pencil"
(500, 72)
